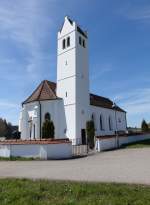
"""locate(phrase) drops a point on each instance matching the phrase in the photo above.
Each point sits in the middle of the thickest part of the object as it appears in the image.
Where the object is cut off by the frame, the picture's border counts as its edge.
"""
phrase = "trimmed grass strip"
(44, 192)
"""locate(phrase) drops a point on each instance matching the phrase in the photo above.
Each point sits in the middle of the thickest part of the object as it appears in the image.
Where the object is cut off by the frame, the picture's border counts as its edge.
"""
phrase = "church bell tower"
(73, 78)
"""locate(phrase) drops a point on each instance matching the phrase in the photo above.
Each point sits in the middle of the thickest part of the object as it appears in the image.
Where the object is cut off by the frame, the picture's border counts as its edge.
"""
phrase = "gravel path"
(126, 165)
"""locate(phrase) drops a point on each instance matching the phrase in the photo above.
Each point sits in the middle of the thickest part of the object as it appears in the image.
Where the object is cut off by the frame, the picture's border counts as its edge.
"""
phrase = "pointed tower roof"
(67, 18)
(45, 91)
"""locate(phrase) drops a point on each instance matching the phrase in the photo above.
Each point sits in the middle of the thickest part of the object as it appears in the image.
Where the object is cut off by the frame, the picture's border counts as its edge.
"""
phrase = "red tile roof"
(47, 91)
(100, 101)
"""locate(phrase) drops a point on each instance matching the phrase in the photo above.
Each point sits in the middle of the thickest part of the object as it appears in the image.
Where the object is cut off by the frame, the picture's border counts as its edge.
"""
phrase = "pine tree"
(3, 128)
(48, 129)
(9, 130)
(52, 130)
(6, 129)
(144, 126)
(90, 130)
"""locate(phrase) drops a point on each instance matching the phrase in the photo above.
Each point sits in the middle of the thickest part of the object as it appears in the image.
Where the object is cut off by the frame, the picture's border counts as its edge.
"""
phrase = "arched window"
(80, 40)
(110, 123)
(47, 116)
(93, 118)
(64, 44)
(101, 122)
(68, 41)
(83, 43)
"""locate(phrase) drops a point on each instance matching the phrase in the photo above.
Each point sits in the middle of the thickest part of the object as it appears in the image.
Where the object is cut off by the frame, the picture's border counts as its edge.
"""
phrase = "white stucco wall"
(111, 143)
(4, 150)
(73, 79)
(82, 85)
(118, 122)
(121, 121)
(41, 151)
(57, 113)
(59, 151)
(105, 144)
(29, 111)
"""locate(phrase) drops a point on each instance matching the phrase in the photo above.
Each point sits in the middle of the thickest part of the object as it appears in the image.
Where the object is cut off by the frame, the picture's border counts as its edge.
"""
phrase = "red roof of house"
(47, 91)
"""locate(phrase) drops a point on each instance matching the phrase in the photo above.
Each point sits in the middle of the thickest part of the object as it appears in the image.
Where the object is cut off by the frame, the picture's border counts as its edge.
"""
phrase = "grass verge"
(17, 159)
(140, 144)
(43, 192)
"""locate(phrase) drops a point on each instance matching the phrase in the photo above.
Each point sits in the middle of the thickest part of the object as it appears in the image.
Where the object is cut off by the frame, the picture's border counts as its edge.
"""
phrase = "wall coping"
(122, 135)
(33, 142)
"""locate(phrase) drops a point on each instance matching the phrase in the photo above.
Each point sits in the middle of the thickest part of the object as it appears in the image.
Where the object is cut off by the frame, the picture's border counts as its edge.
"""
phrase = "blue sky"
(119, 50)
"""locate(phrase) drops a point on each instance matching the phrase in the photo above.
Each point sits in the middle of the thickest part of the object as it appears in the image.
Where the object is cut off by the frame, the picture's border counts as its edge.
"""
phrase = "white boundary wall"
(41, 151)
(111, 143)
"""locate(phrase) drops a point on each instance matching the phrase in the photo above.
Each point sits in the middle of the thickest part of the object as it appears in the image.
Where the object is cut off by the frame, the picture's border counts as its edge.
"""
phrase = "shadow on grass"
(140, 144)
(38, 159)
(17, 159)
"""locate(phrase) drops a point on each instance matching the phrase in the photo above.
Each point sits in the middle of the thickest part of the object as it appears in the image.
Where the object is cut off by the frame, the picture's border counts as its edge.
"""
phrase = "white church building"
(69, 102)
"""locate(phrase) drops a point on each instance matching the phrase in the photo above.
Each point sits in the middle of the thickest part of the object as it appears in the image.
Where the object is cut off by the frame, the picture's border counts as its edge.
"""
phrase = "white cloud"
(25, 58)
(22, 19)
(27, 24)
(5, 61)
(9, 111)
(136, 13)
(135, 102)
(101, 70)
(140, 14)
(4, 104)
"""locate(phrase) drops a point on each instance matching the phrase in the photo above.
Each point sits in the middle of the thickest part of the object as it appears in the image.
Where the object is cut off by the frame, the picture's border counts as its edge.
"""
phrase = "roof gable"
(70, 25)
(67, 26)
(45, 91)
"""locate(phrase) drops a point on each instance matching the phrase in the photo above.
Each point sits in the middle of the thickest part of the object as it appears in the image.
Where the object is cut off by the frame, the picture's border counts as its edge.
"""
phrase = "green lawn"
(141, 144)
(40, 192)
